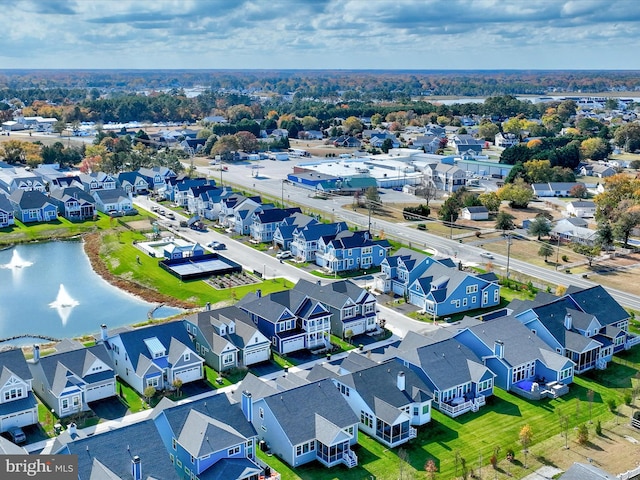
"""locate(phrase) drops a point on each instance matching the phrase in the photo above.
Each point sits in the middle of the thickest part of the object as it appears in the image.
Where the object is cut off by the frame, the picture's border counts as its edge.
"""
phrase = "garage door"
(293, 345)
(21, 419)
(189, 374)
(256, 356)
(99, 392)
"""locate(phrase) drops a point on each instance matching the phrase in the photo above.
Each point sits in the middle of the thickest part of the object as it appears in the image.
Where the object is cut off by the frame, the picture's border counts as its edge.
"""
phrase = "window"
(261, 412)
(472, 289)
(153, 382)
(233, 451)
(344, 390)
(227, 359)
(65, 403)
(566, 373)
(496, 296)
(172, 458)
(416, 411)
(366, 419)
(187, 356)
(192, 460)
(456, 303)
(173, 443)
(485, 297)
(464, 302)
(425, 409)
(178, 463)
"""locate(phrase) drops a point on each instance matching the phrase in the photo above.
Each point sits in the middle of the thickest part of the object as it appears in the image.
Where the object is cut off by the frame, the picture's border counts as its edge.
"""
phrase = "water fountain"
(63, 304)
(16, 262)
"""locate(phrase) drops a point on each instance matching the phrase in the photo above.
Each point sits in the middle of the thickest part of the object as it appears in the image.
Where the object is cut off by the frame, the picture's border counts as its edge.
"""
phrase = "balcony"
(458, 406)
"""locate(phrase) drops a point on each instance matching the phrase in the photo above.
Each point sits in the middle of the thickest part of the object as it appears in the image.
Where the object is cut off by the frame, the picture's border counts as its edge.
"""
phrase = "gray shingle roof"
(597, 301)
(583, 471)
(229, 468)
(321, 398)
(13, 361)
(202, 435)
(115, 449)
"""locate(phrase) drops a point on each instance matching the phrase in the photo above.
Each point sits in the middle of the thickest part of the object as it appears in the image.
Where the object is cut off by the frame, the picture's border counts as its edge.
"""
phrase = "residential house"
(157, 177)
(581, 208)
(304, 244)
(475, 213)
(68, 380)
(349, 250)
(92, 182)
(325, 431)
(290, 319)
(196, 197)
(115, 200)
(208, 203)
(265, 223)
(443, 289)
(602, 171)
(444, 176)
(567, 231)
(506, 139)
(73, 203)
(18, 405)
(585, 325)
(457, 377)
(554, 189)
(428, 143)
(347, 141)
(227, 338)
(32, 206)
(179, 191)
(133, 182)
(378, 139)
(390, 400)
(6, 212)
(353, 309)
(179, 248)
(586, 471)
(131, 452)
(466, 145)
(522, 361)
(66, 181)
(236, 211)
(399, 271)
(154, 356)
(283, 236)
(19, 178)
(209, 439)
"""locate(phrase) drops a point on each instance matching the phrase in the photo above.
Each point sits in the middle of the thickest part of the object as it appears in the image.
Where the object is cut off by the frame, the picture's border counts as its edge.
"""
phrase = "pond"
(50, 289)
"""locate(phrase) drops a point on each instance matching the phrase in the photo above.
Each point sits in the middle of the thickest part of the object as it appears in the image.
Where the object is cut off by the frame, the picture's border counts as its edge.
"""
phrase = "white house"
(581, 208)
(475, 213)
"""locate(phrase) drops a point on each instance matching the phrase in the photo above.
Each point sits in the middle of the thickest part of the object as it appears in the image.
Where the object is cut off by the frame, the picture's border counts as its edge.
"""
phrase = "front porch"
(331, 455)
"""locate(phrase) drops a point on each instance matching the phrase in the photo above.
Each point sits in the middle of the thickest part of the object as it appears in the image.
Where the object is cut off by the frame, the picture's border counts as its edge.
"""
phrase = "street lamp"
(282, 194)
(508, 253)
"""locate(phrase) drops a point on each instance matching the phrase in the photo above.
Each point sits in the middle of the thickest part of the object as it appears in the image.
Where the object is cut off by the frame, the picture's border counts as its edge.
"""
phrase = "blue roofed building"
(349, 250)
(265, 223)
(18, 405)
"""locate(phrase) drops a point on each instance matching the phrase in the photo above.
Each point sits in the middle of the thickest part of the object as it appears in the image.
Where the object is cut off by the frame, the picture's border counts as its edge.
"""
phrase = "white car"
(486, 255)
(284, 254)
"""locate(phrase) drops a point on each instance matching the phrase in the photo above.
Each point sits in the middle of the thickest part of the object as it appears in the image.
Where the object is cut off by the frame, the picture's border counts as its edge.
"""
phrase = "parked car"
(215, 245)
(170, 216)
(284, 254)
(486, 255)
(17, 435)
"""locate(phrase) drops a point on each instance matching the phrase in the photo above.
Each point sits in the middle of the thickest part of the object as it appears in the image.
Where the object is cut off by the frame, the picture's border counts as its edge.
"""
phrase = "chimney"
(136, 468)
(247, 405)
(401, 381)
(498, 349)
(73, 429)
(568, 321)
(103, 332)
(36, 353)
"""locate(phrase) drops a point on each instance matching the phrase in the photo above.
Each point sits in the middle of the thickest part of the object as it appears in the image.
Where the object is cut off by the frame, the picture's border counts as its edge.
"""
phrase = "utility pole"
(370, 205)
(558, 252)
(508, 253)
(451, 227)
(282, 193)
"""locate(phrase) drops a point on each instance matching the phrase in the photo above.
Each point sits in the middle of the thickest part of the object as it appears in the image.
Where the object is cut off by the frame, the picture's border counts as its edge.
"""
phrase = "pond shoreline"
(92, 243)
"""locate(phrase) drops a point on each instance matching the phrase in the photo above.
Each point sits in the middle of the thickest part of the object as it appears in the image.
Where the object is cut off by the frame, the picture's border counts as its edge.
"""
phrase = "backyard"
(475, 437)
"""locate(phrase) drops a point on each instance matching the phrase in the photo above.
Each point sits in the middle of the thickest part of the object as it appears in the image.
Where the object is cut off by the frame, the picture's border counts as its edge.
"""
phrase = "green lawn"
(121, 257)
(475, 435)
(130, 397)
(60, 228)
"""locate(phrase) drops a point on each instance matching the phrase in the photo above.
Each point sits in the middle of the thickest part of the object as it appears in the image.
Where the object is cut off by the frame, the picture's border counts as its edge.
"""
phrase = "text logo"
(45, 467)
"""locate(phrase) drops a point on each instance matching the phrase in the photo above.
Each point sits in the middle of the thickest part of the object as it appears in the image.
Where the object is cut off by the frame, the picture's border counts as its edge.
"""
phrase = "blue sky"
(320, 34)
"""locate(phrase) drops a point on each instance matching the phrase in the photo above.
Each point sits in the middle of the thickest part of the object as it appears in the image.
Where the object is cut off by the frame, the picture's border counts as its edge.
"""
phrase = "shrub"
(511, 455)
(612, 404)
(582, 435)
(416, 213)
(598, 428)
(627, 398)
(565, 258)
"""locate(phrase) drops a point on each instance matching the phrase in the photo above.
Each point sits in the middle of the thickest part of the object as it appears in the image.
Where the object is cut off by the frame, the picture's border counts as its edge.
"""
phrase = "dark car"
(17, 435)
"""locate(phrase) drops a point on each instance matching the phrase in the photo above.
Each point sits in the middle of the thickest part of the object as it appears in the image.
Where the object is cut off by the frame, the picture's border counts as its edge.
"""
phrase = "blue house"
(348, 250)
(32, 206)
(208, 439)
(444, 290)
(6, 212)
(154, 356)
(290, 319)
(265, 223)
(390, 399)
(157, 177)
(307, 423)
(457, 377)
(133, 182)
(523, 362)
(283, 236)
(304, 244)
(398, 272)
(73, 203)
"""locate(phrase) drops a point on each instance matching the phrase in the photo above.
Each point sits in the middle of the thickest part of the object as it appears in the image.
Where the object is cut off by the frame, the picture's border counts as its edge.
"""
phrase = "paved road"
(270, 182)
(256, 261)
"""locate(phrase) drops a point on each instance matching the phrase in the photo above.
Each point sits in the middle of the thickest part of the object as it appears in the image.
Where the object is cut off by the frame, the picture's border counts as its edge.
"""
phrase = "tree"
(373, 197)
(428, 191)
(618, 188)
(202, 133)
(310, 123)
(490, 201)
(352, 126)
(538, 171)
(513, 125)
(504, 221)
(564, 428)
(628, 137)
(488, 131)
(546, 250)
(177, 384)
(579, 191)
(348, 335)
(149, 392)
(590, 252)
(247, 141)
(387, 145)
(604, 235)
(431, 469)
(59, 127)
(595, 148)
(590, 395)
(518, 194)
(539, 226)
(450, 209)
(582, 434)
(625, 224)
(225, 145)
(526, 436)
